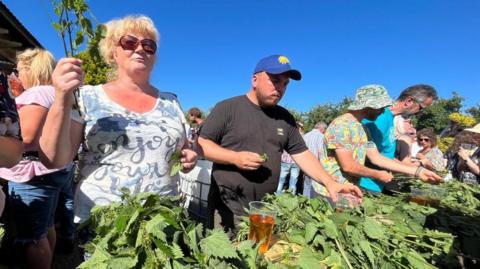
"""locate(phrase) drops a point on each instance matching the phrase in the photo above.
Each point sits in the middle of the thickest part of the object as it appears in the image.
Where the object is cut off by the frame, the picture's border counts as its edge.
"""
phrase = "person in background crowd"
(300, 128)
(471, 161)
(464, 156)
(131, 128)
(429, 156)
(10, 140)
(34, 189)
(241, 129)
(14, 85)
(314, 141)
(347, 144)
(289, 167)
(411, 101)
(195, 118)
(404, 137)
(415, 146)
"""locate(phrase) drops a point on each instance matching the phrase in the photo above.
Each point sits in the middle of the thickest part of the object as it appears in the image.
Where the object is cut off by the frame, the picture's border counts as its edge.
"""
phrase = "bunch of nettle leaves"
(149, 231)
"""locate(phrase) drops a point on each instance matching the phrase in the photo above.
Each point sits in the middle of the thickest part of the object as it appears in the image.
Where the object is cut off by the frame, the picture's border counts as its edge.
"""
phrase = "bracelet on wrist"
(418, 171)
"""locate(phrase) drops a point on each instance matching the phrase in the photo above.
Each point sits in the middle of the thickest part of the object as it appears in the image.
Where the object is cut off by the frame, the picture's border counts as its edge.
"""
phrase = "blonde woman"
(131, 128)
(34, 189)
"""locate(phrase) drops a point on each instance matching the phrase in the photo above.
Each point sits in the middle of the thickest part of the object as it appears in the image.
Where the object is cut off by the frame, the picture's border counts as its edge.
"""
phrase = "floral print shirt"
(345, 132)
(435, 156)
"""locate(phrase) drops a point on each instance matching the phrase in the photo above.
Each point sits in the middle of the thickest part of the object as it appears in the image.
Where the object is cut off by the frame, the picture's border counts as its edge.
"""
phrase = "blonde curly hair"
(40, 65)
(117, 28)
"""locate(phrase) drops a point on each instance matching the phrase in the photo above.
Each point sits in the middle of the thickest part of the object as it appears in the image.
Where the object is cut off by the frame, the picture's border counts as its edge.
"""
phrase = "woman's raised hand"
(67, 76)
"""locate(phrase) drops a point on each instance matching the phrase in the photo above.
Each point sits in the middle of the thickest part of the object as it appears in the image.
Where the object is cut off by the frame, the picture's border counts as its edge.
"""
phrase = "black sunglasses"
(424, 139)
(129, 42)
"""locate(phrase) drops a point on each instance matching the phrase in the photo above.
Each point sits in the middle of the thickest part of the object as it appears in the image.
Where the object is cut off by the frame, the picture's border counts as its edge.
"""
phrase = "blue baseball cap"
(277, 64)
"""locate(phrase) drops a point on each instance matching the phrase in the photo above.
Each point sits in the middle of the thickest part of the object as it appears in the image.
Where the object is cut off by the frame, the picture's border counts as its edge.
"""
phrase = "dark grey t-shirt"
(240, 125)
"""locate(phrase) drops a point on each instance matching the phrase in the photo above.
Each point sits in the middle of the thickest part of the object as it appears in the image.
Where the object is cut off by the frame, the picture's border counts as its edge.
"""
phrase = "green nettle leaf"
(218, 245)
(372, 228)
(368, 207)
(307, 259)
(330, 229)
(310, 231)
(245, 246)
(365, 246)
(155, 227)
(97, 260)
(79, 39)
(176, 163)
(333, 261)
(140, 236)
(123, 262)
(319, 241)
(417, 261)
(177, 251)
(121, 222)
(57, 10)
(387, 209)
(290, 202)
(176, 167)
(57, 27)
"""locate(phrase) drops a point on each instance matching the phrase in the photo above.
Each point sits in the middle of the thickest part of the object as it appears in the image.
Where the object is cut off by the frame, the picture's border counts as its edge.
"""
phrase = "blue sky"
(208, 48)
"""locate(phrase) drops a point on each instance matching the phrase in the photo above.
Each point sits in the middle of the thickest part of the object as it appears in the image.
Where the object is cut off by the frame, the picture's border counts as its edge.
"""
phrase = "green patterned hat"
(374, 96)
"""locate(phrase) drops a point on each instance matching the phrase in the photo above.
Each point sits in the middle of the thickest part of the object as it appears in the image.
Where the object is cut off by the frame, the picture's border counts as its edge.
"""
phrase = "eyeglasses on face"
(424, 139)
(420, 103)
(129, 42)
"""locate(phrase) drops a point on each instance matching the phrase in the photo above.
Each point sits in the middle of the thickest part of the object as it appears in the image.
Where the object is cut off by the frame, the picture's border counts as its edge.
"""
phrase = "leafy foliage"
(381, 233)
(475, 112)
(175, 162)
(149, 231)
(95, 68)
(436, 115)
(325, 112)
(461, 119)
(296, 115)
(73, 25)
(444, 143)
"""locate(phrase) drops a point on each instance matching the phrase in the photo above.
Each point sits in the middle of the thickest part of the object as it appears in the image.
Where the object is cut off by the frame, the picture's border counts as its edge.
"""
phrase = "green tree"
(325, 112)
(436, 115)
(75, 29)
(95, 68)
(297, 115)
(475, 112)
(73, 25)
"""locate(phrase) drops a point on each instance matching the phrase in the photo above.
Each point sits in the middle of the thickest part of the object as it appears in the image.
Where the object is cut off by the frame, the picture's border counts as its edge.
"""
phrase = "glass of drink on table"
(262, 220)
(346, 201)
(419, 196)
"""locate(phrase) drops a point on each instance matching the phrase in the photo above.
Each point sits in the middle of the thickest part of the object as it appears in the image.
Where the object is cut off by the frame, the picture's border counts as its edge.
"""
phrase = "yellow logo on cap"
(283, 60)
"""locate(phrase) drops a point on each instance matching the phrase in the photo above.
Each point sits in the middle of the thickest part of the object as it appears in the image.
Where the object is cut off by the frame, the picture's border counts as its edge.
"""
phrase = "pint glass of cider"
(262, 220)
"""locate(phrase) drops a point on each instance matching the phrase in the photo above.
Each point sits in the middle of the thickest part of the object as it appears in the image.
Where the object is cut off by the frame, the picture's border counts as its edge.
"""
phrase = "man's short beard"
(261, 103)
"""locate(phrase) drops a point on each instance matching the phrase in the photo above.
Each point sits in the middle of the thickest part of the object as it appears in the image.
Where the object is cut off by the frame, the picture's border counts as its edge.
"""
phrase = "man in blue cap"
(244, 137)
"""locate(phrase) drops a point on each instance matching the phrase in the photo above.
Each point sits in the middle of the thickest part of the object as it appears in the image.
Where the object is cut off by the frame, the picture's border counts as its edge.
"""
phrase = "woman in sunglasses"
(430, 155)
(131, 128)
